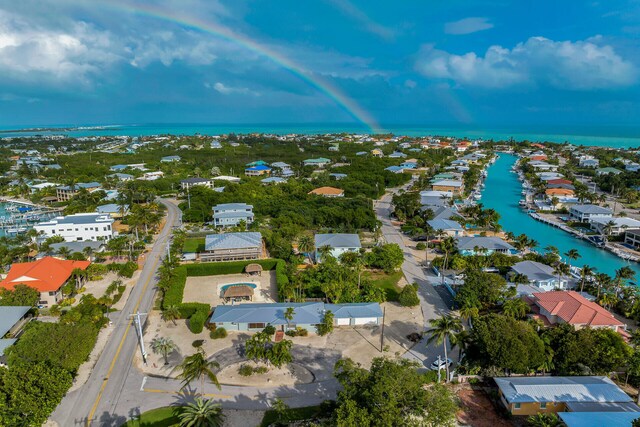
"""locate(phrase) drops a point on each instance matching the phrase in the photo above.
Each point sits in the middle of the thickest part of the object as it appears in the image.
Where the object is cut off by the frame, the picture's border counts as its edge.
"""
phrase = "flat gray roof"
(9, 316)
(242, 240)
(337, 240)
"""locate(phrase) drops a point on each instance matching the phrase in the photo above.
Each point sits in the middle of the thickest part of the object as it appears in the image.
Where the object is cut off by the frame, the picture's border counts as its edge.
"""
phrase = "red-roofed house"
(559, 181)
(47, 275)
(572, 308)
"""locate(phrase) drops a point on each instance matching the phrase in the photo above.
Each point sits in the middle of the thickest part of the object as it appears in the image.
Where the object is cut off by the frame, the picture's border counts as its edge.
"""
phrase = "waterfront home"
(614, 226)
(124, 177)
(33, 187)
(585, 213)
(442, 212)
(546, 394)
(559, 192)
(113, 209)
(320, 162)
(455, 187)
(548, 176)
(231, 214)
(336, 243)
(188, 183)
(446, 226)
(558, 307)
(80, 247)
(232, 247)
(632, 238)
(12, 321)
(559, 181)
(307, 315)
(480, 245)
(538, 165)
(540, 275)
(328, 192)
(66, 192)
(563, 186)
(77, 227)
(258, 170)
(46, 275)
(171, 159)
(608, 171)
(273, 180)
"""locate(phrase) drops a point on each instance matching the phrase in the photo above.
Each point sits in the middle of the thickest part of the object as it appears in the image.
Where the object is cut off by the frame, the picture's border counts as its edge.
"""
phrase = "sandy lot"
(285, 376)
(208, 289)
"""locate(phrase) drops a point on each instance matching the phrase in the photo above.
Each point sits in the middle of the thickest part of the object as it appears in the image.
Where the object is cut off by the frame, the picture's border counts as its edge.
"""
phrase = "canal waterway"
(503, 191)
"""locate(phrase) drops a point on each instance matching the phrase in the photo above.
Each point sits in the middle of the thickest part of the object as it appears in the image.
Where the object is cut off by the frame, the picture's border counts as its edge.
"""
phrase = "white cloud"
(579, 65)
(229, 90)
(467, 26)
(29, 52)
(168, 47)
(411, 84)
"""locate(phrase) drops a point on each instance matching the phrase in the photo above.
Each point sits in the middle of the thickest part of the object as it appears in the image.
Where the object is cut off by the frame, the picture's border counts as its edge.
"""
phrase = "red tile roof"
(559, 181)
(574, 309)
(46, 275)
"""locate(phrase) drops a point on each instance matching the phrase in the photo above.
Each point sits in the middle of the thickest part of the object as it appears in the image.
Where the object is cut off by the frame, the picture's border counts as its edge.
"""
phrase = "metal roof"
(81, 218)
(448, 183)
(603, 407)
(241, 240)
(233, 214)
(337, 240)
(444, 224)
(232, 206)
(259, 168)
(9, 316)
(6, 343)
(560, 389)
(355, 310)
(534, 270)
(590, 209)
(194, 180)
(483, 242)
(598, 419)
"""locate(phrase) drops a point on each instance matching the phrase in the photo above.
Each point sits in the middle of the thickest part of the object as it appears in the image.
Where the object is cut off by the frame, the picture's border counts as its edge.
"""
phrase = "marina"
(503, 192)
(19, 216)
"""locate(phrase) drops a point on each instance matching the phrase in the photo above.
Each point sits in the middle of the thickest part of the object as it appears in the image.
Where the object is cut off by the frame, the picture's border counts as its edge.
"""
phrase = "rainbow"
(327, 88)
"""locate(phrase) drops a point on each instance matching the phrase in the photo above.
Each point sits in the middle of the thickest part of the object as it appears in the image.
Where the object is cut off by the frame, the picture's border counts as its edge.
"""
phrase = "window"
(256, 325)
(543, 405)
(52, 293)
(516, 406)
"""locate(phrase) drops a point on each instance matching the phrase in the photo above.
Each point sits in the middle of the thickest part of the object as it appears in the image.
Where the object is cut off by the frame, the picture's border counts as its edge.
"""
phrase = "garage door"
(365, 320)
(343, 322)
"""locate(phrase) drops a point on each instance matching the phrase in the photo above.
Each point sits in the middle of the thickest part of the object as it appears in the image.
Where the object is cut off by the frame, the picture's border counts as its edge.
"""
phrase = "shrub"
(269, 330)
(233, 267)
(218, 333)
(188, 309)
(326, 326)
(196, 322)
(421, 246)
(245, 370)
(409, 296)
(298, 332)
(175, 290)
(261, 370)
(197, 343)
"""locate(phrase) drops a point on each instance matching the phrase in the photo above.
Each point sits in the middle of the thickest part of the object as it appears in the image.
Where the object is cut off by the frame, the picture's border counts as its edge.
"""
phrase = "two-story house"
(231, 214)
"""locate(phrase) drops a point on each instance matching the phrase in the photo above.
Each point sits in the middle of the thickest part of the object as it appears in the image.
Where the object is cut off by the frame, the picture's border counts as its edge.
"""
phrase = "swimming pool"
(251, 285)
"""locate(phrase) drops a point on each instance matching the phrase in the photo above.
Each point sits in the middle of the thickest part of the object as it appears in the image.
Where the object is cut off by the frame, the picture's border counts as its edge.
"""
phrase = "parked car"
(440, 364)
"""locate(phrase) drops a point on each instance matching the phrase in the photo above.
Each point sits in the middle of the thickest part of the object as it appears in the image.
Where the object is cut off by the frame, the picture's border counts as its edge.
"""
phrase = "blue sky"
(467, 63)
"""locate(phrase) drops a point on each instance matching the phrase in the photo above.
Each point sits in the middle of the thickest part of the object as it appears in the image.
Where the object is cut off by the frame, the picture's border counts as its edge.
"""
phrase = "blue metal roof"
(444, 224)
(259, 168)
(355, 310)
(598, 419)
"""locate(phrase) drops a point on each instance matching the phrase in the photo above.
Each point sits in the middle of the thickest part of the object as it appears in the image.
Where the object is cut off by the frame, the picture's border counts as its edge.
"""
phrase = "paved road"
(431, 302)
(108, 376)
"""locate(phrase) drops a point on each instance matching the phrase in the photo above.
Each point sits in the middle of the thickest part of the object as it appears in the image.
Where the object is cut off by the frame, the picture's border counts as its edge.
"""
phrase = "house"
(538, 165)
(589, 163)
(151, 176)
(273, 180)
(279, 165)
(395, 169)
(559, 192)
(616, 417)
(376, 152)
(257, 163)
(586, 213)
(338, 244)
(449, 227)
(532, 395)
(608, 171)
(46, 275)
(170, 159)
(118, 168)
(231, 214)
(632, 167)
(397, 155)
(232, 247)
(12, 321)
(540, 275)
(215, 145)
(226, 178)
(81, 226)
(409, 165)
(338, 176)
(632, 238)
(113, 209)
(445, 213)
(479, 245)
(66, 192)
(328, 192)
(186, 184)
(548, 176)
(318, 163)
(258, 170)
(452, 186)
(559, 181)
(124, 177)
(570, 307)
(307, 315)
(614, 226)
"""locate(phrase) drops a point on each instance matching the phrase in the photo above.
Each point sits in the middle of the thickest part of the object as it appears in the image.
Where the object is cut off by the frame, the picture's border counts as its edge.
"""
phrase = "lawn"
(388, 282)
(160, 417)
(291, 414)
(193, 244)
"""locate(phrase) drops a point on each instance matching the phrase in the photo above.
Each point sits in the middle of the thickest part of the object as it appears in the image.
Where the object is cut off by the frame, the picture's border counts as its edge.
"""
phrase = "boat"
(522, 202)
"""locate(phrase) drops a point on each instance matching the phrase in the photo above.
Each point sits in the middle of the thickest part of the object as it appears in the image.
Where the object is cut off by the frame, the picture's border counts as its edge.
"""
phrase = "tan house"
(451, 186)
(328, 192)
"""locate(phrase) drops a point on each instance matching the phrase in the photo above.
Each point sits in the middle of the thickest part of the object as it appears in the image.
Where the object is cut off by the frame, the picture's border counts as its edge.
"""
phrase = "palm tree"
(622, 274)
(543, 420)
(288, 315)
(64, 252)
(201, 413)
(515, 308)
(608, 299)
(171, 313)
(561, 269)
(324, 251)
(608, 228)
(585, 272)
(79, 275)
(572, 255)
(448, 246)
(603, 280)
(305, 245)
(163, 346)
(444, 327)
(196, 367)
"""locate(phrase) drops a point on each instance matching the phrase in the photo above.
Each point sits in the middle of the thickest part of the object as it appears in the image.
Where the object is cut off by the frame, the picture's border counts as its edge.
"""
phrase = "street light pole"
(138, 323)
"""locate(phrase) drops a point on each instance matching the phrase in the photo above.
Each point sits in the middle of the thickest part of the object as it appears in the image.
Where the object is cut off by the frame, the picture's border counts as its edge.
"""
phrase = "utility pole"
(384, 311)
(138, 323)
(188, 197)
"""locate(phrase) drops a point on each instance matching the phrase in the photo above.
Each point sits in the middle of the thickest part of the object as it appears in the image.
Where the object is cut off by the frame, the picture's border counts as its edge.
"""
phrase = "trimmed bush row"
(233, 267)
(175, 291)
(197, 320)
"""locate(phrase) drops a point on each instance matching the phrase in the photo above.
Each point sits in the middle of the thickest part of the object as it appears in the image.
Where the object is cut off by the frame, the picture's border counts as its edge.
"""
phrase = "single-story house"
(79, 246)
(599, 419)
(540, 275)
(307, 315)
(397, 155)
(559, 192)
(453, 186)
(586, 213)
(319, 162)
(445, 213)
(232, 246)
(479, 245)
(273, 180)
(114, 210)
(328, 192)
(533, 395)
(449, 227)
(170, 159)
(548, 176)
(338, 243)
(542, 166)
(618, 225)
(607, 171)
(257, 170)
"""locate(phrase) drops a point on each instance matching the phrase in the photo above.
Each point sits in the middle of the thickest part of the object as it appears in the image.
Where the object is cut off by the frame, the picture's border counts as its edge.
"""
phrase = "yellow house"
(376, 152)
(532, 395)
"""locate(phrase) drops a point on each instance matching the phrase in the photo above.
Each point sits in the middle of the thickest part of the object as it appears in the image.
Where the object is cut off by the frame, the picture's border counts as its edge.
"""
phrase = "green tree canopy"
(481, 290)
(20, 295)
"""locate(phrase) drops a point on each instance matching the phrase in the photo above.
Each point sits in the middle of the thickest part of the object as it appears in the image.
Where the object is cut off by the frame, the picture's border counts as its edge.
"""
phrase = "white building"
(231, 214)
(151, 176)
(618, 225)
(338, 244)
(588, 213)
(190, 182)
(78, 227)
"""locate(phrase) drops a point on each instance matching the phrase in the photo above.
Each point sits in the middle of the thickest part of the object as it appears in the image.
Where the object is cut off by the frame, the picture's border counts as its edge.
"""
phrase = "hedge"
(196, 322)
(188, 309)
(233, 267)
(174, 293)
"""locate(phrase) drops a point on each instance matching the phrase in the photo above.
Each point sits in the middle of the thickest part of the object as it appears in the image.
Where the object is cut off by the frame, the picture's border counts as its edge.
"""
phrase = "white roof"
(619, 222)
(448, 183)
